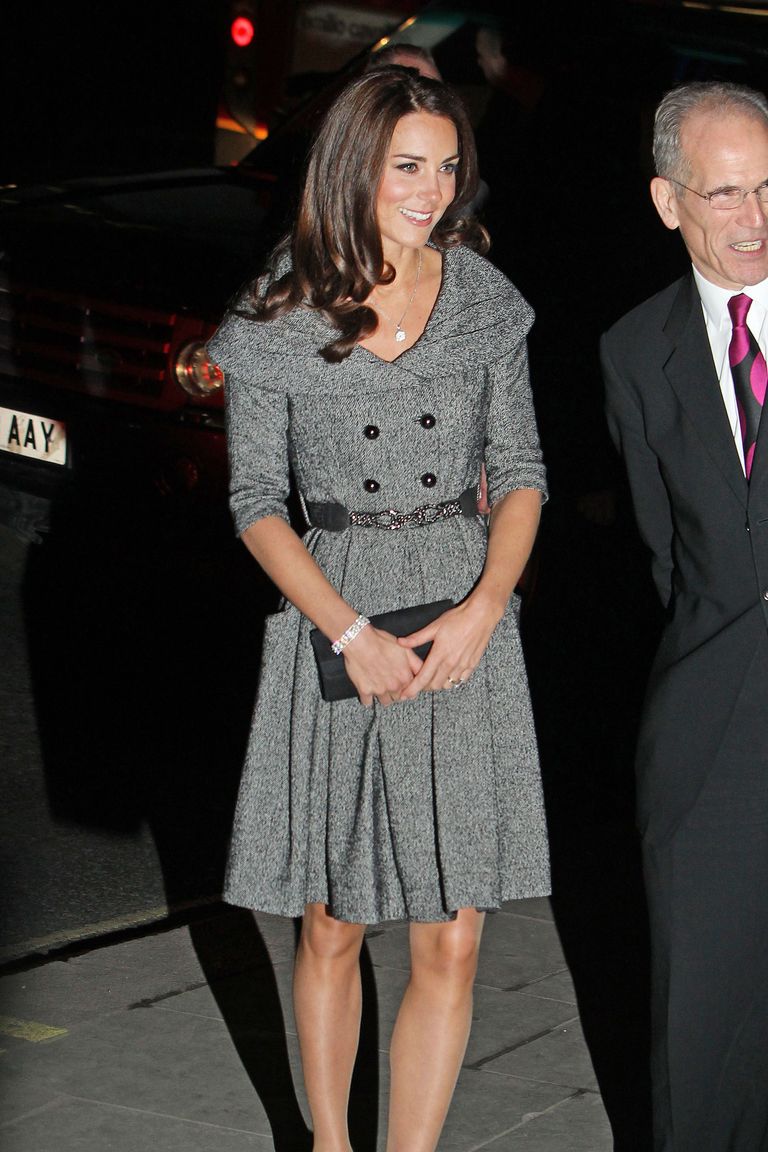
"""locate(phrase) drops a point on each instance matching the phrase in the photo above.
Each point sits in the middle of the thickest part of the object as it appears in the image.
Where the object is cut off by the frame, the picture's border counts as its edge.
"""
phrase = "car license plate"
(35, 437)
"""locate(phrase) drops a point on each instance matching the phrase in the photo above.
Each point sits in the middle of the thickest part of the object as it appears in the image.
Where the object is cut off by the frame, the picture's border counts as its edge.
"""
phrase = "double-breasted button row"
(428, 480)
(372, 431)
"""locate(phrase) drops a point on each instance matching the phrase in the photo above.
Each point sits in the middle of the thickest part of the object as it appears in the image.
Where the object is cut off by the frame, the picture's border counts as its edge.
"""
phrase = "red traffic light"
(242, 31)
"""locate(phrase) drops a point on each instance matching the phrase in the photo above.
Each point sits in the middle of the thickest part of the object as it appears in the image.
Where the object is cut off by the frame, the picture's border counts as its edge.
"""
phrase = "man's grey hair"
(394, 52)
(721, 98)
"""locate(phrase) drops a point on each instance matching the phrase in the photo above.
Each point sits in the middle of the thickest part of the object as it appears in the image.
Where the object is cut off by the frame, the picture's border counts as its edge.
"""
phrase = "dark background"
(93, 88)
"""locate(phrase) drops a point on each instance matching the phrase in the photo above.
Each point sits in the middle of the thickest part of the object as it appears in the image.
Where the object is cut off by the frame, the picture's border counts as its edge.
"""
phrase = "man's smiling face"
(729, 248)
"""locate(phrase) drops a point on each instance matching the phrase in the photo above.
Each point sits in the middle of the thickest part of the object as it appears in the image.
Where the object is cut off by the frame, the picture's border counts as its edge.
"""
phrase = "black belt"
(337, 518)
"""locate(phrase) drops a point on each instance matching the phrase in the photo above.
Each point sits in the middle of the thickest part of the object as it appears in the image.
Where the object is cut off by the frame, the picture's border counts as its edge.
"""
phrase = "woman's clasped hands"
(383, 666)
(379, 667)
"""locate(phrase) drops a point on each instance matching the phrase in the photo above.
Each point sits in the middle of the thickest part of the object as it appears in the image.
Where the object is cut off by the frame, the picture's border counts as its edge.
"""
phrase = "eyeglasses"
(724, 199)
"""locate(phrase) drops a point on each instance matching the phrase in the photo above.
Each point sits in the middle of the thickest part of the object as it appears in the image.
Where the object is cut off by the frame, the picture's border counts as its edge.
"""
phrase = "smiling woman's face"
(418, 182)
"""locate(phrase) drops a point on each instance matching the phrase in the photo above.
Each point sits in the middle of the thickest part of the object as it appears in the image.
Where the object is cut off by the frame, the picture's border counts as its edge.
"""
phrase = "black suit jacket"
(708, 532)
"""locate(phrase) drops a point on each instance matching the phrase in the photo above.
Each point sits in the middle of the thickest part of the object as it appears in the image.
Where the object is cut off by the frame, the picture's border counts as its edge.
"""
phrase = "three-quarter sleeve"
(256, 410)
(512, 452)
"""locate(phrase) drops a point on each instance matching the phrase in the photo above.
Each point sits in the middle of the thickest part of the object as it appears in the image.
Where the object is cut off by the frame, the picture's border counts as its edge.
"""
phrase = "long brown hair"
(335, 245)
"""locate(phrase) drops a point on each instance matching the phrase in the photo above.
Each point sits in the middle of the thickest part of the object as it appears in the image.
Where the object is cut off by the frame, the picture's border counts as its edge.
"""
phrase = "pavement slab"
(576, 1124)
(142, 1059)
(559, 986)
(20, 1097)
(558, 1057)
(70, 1123)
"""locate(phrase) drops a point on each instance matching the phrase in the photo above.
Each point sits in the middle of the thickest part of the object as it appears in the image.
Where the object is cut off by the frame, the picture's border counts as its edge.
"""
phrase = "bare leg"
(327, 1001)
(432, 1029)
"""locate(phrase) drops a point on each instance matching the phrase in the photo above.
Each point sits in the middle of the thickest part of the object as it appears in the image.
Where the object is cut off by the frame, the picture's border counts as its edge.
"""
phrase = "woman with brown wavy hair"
(379, 361)
(337, 245)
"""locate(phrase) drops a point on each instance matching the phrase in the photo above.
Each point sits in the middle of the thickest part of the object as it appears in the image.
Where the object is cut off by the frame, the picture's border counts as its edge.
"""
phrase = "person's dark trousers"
(707, 888)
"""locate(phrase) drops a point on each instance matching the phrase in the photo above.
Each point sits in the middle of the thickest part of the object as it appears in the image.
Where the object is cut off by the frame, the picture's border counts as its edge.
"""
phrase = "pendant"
(399, 334)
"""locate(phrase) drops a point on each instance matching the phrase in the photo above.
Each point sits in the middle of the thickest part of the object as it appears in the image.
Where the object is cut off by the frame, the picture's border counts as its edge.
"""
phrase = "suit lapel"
(691, 372)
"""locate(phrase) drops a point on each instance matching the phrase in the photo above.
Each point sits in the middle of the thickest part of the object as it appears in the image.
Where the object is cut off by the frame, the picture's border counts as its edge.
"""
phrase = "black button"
(427, 420)
(429, 480)
(371, 485)
(370, 431)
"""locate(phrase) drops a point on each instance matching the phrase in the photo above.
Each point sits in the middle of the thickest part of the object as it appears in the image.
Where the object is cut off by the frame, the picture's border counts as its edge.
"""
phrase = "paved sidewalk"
(184, 1040)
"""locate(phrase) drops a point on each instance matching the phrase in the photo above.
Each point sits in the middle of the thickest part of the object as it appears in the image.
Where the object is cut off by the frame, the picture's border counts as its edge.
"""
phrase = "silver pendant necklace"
(400, 333)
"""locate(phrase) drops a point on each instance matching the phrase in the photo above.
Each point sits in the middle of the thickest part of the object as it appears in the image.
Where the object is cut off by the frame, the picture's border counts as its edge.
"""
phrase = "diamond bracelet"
(354, 629)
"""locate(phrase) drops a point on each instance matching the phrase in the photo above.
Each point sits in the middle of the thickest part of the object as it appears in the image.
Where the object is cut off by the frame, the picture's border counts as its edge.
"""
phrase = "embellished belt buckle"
(391, 519)
(388, 518)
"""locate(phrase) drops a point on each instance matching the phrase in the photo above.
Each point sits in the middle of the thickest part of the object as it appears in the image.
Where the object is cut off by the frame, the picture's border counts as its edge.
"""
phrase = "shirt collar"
(715, 299)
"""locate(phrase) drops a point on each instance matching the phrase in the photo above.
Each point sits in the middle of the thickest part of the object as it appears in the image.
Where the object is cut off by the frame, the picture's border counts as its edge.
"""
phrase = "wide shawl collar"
(479, 316)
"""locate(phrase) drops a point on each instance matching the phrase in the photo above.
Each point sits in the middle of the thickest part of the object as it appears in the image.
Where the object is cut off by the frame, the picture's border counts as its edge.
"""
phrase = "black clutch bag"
(334, 682)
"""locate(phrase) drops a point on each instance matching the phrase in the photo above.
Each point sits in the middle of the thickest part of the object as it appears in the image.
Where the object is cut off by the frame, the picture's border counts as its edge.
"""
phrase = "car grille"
(100, 348)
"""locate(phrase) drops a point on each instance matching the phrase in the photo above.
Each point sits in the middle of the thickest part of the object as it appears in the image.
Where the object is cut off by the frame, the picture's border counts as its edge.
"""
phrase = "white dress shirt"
(714, 301)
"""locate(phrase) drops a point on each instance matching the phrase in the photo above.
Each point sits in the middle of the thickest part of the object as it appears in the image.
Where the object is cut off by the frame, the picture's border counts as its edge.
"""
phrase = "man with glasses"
(686, 379)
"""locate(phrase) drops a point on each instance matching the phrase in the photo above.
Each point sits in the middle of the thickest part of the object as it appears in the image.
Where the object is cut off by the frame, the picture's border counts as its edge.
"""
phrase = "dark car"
(109, 291)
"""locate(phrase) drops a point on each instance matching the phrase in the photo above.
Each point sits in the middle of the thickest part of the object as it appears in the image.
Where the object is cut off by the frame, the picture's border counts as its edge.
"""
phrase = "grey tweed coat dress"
(427, 806)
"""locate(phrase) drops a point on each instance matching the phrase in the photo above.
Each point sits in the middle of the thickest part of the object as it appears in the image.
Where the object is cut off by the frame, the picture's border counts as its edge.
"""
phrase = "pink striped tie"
(750, 375)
